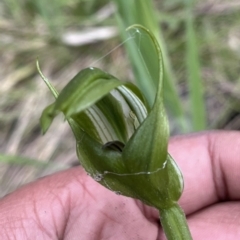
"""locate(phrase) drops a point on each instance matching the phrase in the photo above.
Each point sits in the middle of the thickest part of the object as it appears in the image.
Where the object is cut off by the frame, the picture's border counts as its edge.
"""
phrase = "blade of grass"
(195, 85)
(52, 16)
(15, 9)
(19, 160)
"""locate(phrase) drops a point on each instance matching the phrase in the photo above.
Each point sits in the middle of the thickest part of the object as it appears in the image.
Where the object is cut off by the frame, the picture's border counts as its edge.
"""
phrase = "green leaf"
(195, 83)
(99, 115)
(87, 87)
(144, 162)
(25, 161)
(104, 116)
(154, 130)
(143, 12)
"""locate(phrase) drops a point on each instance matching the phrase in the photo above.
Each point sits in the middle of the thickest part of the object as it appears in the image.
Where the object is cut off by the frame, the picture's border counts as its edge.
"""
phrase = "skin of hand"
(71, 205)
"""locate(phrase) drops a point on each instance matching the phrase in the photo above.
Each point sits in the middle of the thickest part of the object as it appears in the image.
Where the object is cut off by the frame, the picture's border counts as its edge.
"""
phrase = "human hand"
(71, 205)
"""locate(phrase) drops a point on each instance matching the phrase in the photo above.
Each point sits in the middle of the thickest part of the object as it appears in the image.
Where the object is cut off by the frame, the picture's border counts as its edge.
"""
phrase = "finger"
(210, 163)
(38, 209)
(220, 221)
(70, 204)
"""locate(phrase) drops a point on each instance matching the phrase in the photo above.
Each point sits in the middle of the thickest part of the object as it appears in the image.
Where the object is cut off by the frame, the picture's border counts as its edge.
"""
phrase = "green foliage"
(129, 165)
(196, 90)
(31, 29)
(143, 12)
(18, 160)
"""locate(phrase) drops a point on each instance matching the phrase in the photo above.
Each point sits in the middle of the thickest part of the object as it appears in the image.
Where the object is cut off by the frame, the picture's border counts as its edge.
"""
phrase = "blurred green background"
(200, 41)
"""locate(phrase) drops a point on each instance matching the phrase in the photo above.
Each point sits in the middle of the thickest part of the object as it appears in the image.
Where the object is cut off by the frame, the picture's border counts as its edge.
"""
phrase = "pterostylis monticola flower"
(121, 139)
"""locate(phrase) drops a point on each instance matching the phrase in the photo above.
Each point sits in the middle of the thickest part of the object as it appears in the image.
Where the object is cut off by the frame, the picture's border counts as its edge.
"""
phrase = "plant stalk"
(174, 223)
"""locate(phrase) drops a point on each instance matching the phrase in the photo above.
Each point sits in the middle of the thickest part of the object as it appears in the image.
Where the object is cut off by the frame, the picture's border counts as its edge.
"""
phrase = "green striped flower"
(121, 140)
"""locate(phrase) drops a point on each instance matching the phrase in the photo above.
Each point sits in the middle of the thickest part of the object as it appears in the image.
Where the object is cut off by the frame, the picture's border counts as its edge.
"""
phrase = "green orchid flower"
(121, 140)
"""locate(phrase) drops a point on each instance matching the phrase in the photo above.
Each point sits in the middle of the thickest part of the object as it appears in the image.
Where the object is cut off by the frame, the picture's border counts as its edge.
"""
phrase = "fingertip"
(210, 165)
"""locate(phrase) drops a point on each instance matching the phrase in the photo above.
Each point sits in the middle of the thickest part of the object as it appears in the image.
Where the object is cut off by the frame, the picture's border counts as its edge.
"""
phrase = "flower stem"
(174, 223)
